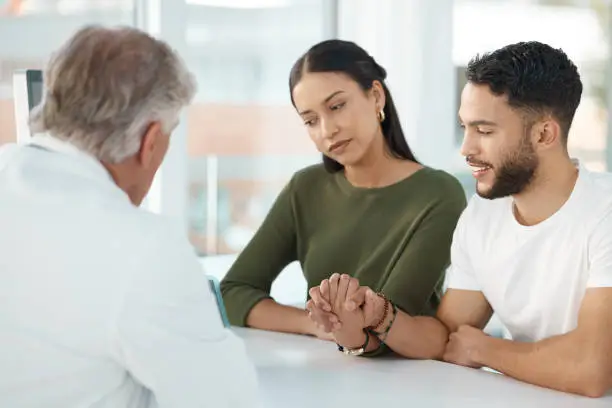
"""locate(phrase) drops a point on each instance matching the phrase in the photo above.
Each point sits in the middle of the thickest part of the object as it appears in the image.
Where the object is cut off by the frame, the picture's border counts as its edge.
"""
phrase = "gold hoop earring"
(381, 115)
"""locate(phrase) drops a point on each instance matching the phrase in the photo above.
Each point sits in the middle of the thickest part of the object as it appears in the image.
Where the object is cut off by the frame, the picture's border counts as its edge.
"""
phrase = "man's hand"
(371, 304)
(464, 345)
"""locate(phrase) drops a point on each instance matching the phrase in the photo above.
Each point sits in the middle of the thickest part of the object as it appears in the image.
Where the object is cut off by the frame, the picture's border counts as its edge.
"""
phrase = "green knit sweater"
(394, 239)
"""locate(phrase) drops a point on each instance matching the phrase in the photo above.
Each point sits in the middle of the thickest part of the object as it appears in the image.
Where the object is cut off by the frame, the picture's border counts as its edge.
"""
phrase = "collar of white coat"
(56, 145)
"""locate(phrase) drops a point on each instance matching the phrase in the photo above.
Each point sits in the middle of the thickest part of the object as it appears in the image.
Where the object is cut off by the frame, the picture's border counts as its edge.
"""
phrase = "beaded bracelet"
(385, 313)
(383, 335)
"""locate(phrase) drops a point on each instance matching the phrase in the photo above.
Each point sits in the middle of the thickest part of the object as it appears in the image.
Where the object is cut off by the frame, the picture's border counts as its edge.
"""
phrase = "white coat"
(103, 304)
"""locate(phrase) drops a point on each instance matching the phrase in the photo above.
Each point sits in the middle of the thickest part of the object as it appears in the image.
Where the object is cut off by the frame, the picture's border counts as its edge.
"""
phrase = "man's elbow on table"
(596, 380)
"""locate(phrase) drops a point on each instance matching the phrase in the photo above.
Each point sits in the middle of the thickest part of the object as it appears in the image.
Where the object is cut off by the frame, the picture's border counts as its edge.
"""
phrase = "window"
(23, 8)
(31, 29)
(244, 138)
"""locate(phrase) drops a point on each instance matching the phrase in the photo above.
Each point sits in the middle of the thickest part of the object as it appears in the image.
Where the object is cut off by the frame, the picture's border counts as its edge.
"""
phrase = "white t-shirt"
(535, 277)
(101, 303)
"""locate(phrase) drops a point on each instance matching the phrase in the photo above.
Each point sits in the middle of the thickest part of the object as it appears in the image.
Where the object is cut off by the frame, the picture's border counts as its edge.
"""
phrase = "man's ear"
(148, 144)
(547, 133)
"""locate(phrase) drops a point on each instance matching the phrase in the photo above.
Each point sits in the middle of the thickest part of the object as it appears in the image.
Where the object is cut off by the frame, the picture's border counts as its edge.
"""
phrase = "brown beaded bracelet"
(383, 335)
(385, 313)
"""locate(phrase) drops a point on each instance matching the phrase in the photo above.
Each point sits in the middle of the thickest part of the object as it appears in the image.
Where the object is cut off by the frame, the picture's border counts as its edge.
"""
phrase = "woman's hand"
(342, 308)
(338, 289)
(321, 317)
(327, 312)
(341, 288)
(321, 334)
(357, 307)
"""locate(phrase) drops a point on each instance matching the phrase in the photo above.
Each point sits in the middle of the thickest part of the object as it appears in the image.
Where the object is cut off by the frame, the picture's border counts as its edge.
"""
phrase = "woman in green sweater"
(370, 210)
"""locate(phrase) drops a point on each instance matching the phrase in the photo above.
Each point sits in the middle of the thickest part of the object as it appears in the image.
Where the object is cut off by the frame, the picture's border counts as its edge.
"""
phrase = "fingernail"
(327, 308)
(333, 319)
(350, 305)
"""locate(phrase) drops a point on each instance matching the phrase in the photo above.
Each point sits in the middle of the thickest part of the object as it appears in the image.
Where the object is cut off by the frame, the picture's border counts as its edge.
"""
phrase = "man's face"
(496, 144)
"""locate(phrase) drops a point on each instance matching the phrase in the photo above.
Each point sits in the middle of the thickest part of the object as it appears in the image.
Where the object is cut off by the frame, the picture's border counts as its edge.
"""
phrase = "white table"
(301, 372)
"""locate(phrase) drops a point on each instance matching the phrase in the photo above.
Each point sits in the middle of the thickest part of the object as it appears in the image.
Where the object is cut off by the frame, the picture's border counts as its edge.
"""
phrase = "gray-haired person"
(103, 304)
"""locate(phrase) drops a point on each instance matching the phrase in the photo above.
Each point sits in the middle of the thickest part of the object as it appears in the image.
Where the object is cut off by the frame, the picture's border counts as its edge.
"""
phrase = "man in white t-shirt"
(103, 304)
(535, 243)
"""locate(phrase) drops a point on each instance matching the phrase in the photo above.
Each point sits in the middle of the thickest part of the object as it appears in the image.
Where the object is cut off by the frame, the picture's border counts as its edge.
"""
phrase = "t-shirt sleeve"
(460, 274)
(600, 254)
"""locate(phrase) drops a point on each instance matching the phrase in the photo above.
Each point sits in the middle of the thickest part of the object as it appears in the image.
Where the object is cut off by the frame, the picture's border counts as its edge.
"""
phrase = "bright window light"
(242, 4)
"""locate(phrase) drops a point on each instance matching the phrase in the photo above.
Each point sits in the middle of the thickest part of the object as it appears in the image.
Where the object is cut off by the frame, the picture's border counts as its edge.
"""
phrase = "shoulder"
(595, 201)
(7, 151)
(158, 250)
(314, 173)
(591, 200)
(599, 189)
(436, 190)
(441, 184)
(161, 228)
(152, 234)
(309, 182)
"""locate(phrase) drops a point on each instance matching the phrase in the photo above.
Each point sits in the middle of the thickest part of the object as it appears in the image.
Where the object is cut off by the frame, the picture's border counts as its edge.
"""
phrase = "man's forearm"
(418, 337)
(269, 315)
(563, 363)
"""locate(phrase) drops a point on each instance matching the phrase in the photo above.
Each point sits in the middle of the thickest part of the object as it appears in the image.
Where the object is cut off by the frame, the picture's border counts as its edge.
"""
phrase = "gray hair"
(105, 86)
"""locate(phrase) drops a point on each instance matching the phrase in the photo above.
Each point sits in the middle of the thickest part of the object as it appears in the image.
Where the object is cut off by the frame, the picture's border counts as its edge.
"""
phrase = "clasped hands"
(342, 309)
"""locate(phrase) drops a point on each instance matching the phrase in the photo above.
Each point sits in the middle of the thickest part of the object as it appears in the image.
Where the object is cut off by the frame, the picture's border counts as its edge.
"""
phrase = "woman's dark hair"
(350, 59)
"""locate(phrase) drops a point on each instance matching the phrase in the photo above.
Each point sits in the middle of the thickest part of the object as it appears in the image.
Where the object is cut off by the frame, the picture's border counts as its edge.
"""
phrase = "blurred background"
(241, 141)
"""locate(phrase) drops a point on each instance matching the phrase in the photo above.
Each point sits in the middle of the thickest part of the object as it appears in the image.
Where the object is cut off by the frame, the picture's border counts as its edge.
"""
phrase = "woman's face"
(342, 120)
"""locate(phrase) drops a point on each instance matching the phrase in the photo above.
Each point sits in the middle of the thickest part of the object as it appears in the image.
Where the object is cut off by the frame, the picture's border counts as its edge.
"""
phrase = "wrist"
(385, 323)
(389, 315)
(350, 338)
(368, 343)
(356, 341)
(481, 351)
(307, 325)
(382, 316)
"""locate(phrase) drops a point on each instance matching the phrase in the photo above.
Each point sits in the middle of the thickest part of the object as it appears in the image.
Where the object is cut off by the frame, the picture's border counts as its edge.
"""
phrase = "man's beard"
(515, 173)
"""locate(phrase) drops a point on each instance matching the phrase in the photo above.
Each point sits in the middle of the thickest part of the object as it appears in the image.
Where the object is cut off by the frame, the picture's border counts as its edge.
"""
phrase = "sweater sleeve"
(273, 247)
(420, 269)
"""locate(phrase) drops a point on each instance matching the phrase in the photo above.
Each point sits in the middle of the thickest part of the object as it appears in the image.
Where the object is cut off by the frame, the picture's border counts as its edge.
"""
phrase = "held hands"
(340, 306)
(340, 309)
